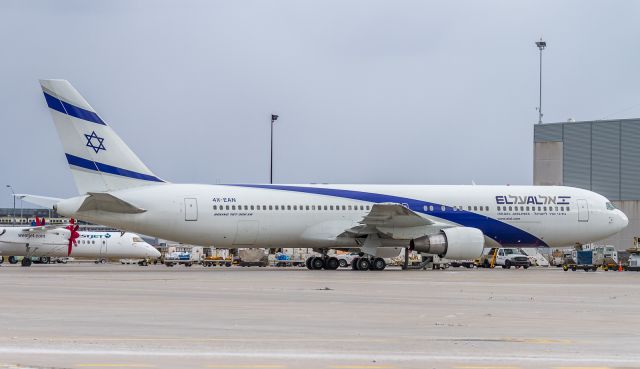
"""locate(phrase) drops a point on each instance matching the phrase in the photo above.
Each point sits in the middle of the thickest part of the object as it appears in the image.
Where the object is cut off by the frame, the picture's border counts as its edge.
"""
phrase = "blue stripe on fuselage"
(105, 168)
(501, 232)
(72, 110)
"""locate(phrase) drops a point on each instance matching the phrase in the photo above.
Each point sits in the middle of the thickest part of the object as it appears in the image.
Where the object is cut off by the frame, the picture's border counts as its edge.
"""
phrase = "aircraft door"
(247, 232)
(190, 209)
(103, 247)
(583, 211)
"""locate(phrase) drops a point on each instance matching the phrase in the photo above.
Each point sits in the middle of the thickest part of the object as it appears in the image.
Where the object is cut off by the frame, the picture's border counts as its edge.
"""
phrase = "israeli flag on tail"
(99, 160)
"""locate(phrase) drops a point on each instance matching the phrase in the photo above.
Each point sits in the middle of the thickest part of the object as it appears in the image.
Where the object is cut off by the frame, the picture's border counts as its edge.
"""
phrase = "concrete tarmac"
(126, 316)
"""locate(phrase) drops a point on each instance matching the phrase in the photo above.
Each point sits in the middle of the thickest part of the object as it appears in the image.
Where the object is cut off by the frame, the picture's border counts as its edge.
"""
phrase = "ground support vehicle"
(506, 258)
(176, 258)
(252, 257)
(634, 260)
(282, 259)
(463, 263)
(212, 261)
(583, 260)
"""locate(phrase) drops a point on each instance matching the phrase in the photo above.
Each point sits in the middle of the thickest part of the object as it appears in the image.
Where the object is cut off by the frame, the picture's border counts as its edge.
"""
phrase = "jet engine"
(456, 243)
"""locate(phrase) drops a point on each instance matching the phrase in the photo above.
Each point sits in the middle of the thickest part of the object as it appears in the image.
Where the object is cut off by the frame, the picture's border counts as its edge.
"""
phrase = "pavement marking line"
(361, 367)
(114, 365)
(581, 367)
(249, 366)
(485, 367)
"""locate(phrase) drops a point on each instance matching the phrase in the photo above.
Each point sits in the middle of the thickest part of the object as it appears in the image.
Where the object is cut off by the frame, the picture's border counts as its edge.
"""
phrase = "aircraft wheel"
(364, 264)
(26, 261)
(343, 263)
(317, 263)
(354, 263)
(378, 264)
(331, 263)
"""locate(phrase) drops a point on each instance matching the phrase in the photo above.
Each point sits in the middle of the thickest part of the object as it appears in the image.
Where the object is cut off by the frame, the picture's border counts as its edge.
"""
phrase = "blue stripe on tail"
(110, 169)
(72, 110)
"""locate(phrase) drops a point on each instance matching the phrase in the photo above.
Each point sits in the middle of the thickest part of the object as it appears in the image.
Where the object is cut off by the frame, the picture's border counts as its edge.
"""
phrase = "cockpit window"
(137, 239)
(610, 206)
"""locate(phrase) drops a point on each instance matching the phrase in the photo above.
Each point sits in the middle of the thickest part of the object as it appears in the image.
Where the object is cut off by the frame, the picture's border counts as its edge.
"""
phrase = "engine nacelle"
(456, 243)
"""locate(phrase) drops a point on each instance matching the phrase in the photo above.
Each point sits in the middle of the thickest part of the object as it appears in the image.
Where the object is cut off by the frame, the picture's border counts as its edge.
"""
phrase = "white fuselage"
(230, 216)
(16, 242)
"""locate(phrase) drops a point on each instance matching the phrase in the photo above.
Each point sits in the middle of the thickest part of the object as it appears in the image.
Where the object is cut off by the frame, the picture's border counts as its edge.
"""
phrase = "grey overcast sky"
(430, 92)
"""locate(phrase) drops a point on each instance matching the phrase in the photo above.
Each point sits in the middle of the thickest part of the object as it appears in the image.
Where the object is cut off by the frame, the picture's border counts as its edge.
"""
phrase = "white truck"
(506, 258)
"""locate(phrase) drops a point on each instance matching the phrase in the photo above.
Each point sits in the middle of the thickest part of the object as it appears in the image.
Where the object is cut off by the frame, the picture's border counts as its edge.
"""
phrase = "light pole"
(273, 120)
(541, 46)
(14, 205)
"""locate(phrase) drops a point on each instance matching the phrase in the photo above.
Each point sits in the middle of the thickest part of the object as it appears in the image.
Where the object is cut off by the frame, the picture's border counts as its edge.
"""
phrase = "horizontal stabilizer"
(107, 202)
(44, 201)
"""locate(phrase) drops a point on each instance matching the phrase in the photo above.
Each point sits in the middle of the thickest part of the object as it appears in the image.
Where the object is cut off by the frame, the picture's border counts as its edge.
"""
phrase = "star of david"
(90, 142)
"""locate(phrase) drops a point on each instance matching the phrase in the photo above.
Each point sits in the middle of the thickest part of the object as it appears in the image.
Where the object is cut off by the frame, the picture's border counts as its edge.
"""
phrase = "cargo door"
(247, 232)
(583, 211)
(190, 209)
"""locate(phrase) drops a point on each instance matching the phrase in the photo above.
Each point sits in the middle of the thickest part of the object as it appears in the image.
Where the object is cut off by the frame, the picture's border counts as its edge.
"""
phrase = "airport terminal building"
(602, 156)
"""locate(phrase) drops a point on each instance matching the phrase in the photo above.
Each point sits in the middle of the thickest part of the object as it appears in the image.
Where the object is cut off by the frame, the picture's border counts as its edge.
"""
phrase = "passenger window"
(510, 208)
(215, 207)
(344, 207)
(246, 207)
(251, 207)
(227, 207)
(288, 207)
(475, 208)
(270, 207)
(307, 207)
(361, 207)
(368, 207)
(349, 207)
(326, 207)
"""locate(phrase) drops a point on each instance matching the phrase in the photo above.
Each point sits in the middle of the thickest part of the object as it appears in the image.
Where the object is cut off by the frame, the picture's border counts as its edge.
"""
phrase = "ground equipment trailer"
(176, 258)
(211, 261)
(583, 259)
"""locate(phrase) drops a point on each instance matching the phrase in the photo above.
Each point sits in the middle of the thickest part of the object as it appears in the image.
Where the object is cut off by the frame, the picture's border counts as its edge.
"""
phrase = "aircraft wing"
(43, 228)
(385, 216)
(393, 215)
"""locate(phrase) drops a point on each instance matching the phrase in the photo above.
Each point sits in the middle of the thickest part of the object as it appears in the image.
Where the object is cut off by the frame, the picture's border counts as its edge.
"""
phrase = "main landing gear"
(322, 262)
(359, 263)
(368, 263)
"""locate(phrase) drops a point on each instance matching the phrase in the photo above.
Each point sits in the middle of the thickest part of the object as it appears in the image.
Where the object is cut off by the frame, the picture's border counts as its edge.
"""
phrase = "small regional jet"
(45, 240)
(117, 189)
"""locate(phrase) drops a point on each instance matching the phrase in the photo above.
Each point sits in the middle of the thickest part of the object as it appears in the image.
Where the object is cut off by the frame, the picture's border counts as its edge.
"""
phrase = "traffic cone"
(619, 266)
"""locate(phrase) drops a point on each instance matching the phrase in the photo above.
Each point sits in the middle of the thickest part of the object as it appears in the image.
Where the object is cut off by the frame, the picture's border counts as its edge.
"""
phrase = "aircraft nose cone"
(154, 253)
(624, 220)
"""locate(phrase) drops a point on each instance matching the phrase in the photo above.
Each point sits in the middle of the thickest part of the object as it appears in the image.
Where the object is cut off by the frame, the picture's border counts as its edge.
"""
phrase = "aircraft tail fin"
(99, 159)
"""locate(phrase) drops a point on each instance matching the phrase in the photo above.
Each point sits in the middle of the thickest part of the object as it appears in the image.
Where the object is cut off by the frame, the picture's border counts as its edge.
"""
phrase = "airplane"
(456, 222)
(49, 241)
